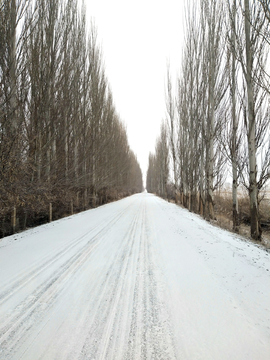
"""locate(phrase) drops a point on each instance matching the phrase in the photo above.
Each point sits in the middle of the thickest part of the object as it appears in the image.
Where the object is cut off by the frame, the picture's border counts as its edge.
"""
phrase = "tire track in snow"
(124, 316)
(108, 323)
(52, 258)
(150, 335)
(35, 308)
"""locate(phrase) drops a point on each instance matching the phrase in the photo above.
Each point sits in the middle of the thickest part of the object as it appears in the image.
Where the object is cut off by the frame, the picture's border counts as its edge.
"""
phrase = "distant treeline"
(218, 112)
(63, 147)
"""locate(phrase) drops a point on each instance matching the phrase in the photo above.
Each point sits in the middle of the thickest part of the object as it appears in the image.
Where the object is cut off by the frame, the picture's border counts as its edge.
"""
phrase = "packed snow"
(140, 278)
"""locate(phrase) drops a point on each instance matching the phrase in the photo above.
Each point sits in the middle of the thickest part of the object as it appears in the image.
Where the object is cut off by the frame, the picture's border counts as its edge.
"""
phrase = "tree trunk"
(211, 129)
(253, 190)
(234, 132)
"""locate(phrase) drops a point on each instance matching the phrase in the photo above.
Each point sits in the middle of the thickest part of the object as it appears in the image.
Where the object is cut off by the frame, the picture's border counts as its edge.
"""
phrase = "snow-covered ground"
(136, 279)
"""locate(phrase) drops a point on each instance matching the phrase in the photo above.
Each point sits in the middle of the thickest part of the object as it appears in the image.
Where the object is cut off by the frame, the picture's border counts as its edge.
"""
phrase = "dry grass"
(223, 212)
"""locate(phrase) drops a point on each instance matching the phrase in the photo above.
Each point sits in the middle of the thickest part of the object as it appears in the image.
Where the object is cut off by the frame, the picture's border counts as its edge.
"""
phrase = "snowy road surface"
(136, 279)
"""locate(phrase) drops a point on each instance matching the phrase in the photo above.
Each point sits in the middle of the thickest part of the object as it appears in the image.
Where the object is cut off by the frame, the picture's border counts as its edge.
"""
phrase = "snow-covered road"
(136, 279)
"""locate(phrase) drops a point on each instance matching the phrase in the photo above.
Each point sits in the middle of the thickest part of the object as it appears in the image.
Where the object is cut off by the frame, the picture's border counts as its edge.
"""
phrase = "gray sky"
(138, 38)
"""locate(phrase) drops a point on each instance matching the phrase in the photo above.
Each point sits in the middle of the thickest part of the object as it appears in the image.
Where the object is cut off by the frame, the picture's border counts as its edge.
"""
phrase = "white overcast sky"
(138, 38)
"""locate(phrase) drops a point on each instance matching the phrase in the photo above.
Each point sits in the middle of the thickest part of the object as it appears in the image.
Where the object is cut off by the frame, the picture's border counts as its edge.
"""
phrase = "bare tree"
(233, 136)
(212, 22)
(251, 54)
(171, 124)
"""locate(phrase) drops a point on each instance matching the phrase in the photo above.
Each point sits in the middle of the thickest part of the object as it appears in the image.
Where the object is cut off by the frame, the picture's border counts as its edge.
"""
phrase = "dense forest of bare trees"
(218, 113)
(62, 144)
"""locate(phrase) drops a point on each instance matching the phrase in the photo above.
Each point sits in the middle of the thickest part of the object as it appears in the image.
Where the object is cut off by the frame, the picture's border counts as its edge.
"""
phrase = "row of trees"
(61, 139)
(218, 115)
(158, 165)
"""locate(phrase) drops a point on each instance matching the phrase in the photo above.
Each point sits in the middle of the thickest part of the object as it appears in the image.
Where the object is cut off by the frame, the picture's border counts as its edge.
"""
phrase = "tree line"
(218, 113)
(61, 139)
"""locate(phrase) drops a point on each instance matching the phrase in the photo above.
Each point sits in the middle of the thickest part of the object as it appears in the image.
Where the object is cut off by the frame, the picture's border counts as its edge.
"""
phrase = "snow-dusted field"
(136, 279)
